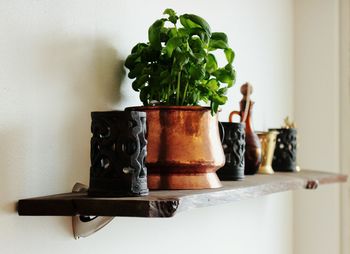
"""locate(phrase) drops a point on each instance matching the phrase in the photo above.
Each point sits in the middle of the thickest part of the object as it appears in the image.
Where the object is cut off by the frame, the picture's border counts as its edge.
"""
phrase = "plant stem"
(178, 88)
(169, 93)
(184, 95)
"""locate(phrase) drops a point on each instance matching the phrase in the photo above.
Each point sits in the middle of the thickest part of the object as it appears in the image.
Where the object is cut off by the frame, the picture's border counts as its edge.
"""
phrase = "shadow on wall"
(71, 78)
(91, 69)
(95, 73)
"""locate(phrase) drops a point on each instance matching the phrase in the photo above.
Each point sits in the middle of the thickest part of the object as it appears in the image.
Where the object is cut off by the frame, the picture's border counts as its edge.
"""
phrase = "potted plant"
(175, 72)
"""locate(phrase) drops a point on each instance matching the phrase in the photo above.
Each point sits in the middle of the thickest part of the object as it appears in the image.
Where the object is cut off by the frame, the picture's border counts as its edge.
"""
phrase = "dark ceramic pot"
(233, 143)
(118, 150)
(285, 155)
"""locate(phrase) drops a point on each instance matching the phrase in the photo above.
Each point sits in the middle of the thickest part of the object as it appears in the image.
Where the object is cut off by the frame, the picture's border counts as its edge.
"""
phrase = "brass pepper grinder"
(252, 157)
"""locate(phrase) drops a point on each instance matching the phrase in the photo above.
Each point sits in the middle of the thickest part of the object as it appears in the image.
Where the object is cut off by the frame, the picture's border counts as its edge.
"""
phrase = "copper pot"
(184, 149)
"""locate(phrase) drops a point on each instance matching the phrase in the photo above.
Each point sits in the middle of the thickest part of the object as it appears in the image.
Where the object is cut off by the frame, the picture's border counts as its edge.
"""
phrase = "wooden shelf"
(168, 203)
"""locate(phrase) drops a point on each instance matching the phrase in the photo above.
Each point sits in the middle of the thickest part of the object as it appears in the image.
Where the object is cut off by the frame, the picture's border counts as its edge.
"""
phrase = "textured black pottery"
(285, 155)
(118, 151)
(233, 143)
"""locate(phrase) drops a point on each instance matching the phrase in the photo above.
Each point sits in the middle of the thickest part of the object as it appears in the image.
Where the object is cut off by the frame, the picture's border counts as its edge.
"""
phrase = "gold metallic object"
(288, 124)
(268, 143)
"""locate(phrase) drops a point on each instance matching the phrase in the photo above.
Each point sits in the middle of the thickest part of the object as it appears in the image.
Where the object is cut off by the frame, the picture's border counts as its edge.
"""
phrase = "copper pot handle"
(234, 113)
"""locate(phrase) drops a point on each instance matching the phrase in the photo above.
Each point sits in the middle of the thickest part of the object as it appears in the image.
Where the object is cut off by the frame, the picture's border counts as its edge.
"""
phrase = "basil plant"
(177, 66)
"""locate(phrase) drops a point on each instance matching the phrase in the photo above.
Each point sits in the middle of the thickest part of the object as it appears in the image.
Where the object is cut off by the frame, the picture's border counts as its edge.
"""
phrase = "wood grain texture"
(168, 203)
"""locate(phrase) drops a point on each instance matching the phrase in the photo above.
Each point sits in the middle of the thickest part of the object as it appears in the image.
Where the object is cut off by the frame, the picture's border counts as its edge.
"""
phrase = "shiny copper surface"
(184, 148)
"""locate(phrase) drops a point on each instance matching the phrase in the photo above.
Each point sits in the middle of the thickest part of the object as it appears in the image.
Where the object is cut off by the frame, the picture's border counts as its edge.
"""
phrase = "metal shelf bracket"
(85, 225)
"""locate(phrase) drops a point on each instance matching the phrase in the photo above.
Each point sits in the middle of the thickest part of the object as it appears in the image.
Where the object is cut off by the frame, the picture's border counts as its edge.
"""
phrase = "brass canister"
(268, 143)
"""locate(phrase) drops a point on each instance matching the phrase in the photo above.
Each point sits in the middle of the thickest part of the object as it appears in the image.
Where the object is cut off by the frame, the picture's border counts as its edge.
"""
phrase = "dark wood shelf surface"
(168, 203)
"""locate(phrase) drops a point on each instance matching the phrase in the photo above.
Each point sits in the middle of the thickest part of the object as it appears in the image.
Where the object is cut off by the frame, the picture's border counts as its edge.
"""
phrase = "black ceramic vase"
(233, 142)
(118, 151)
(284, 158)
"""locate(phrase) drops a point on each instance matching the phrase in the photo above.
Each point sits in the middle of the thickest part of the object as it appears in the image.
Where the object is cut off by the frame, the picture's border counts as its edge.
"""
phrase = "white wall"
(59, 60)
(317, 110)
(345, 120)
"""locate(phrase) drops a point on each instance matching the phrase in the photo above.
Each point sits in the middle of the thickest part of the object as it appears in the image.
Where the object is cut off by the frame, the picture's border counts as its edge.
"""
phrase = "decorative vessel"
(285, 156)
(233, 143)
(253, 146)
(268, 143)
(184, 149)
(118, 150)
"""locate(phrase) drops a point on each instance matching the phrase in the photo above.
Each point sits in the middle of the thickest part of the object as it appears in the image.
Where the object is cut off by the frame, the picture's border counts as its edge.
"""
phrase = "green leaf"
(188, 23)
(154, 34)
(214, 108)
(164, 37)
(220, 100)
(232, 73)
(172, 32)
(173, 19)
(181, 59)
(224, 75)
(219, 37)
(172, 43)
(183, 33)
(196, 72)
(138, 47)
(213, 84)
(149, 54)
(170, 12)
(172, 15)
(195, 97)
(230, 84)
(132, 60)
(230, 55)
(196, 44)
(199, 57)
(165, 77)
(144, 95)
(194, 21)
(137, 70)
(139, 82)
(217, 44)
(212, 65)
(207, 75)
(200, 33)
(222, 91)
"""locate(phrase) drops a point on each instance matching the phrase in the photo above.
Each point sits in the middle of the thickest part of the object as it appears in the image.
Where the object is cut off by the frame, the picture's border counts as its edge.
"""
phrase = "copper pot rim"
(178, 108)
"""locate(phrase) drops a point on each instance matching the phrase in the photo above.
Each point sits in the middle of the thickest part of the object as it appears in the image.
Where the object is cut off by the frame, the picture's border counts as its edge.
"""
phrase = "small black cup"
(118, 151)
(285, 155)
(233, 143)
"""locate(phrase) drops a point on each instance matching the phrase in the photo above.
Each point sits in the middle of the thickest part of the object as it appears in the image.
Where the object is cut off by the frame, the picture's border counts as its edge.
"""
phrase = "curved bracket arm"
(85, 225)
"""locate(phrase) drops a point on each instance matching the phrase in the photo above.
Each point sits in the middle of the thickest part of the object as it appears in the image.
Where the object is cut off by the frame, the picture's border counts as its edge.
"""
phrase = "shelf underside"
(168, 203)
